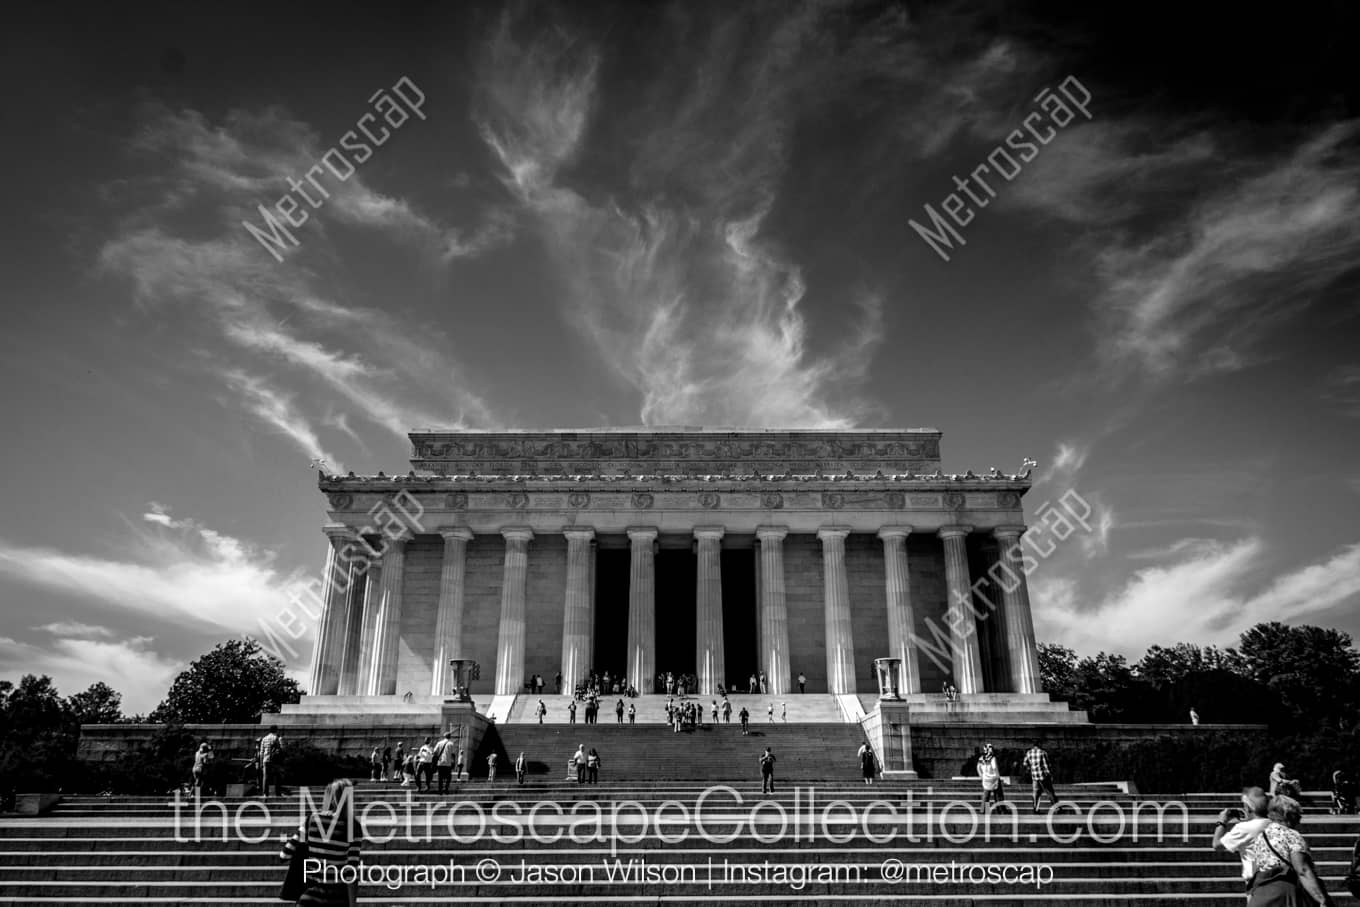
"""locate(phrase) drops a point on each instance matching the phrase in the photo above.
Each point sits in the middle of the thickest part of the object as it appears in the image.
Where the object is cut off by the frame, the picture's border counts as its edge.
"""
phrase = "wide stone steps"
(118, 850)
(651, 709)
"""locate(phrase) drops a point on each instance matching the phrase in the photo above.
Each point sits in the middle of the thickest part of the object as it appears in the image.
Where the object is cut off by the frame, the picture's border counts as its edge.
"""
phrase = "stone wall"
(419, 609)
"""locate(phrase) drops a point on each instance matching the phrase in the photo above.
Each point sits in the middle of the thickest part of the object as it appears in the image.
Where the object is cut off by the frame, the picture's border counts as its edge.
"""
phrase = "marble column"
(840, 642)
(642, 609)
(961, 615)
(351, 670)
(578, 616)
(382, 677)
(448, 624)
(510, 644)
(710, 666)
(332, 624)
(774, 611)
(1018, 618)
(901, 614)
(369, 618)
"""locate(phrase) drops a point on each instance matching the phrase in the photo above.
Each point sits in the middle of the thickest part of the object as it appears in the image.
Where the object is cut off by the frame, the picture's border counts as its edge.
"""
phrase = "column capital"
(894, 532)
(833, 532)
(713, 533)
(388, 541)
(1011, 531)
(518, 534)
(581, 533)
(954, 532)
(339, 532)
(451, 533)
(771, 533)
(642, 534)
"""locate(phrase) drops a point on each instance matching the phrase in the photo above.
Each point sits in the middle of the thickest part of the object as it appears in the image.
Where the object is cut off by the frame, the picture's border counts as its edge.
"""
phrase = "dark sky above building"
(684, 213)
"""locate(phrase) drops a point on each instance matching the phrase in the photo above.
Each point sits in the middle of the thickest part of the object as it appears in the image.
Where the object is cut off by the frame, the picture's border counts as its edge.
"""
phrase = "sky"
(672, 213)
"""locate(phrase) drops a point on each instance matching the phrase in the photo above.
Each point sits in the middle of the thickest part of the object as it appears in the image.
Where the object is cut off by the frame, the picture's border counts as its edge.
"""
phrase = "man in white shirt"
(1233, 833)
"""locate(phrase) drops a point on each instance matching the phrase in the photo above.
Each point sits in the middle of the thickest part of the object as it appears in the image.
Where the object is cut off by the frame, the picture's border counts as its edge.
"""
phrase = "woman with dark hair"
(329, 836)
(1284, 873)
(593, 766)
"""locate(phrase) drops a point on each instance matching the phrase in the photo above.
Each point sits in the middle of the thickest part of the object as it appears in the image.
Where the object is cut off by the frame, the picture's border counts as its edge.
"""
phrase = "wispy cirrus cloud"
(688, 301)
(1200, 254)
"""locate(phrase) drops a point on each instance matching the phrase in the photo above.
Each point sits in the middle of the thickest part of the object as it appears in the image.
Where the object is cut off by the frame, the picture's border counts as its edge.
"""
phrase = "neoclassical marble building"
(714, 552)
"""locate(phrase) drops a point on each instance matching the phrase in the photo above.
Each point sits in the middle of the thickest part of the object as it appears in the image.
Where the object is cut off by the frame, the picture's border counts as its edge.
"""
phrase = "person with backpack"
(541, 711)
(327, 840)
(1284, 874)
(766, 771)
(868, 765)
(745, 717)
(443, 761)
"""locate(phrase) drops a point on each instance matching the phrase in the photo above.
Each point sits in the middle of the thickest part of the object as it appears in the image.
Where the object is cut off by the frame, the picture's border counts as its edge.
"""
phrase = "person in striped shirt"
(329, 836)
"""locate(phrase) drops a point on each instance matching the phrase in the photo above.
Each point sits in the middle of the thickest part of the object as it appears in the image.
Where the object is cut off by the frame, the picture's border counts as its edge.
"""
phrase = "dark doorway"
(739, 616)
(676, 575)
(611, 611)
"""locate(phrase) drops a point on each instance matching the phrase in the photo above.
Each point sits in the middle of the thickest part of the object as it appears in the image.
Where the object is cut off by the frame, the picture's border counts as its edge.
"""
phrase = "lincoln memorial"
(717, 553)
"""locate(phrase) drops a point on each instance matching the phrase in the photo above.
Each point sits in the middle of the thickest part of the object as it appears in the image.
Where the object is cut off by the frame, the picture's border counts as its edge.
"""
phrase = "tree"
(236, 682)
(1315, 671)
(1106, 687)
(1165, 667)
(1058, 670)
(100, 704)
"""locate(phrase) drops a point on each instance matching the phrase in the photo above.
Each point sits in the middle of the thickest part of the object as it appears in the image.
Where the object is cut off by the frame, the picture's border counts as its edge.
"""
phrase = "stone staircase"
(124, 850)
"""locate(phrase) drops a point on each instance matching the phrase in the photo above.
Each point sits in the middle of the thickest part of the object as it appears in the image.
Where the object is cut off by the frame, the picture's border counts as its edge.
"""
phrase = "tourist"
(1343, 794)
(1283, 865)
(1041, 775)
(443, 761)
(579, 760)
(571, 712)
(408, 770)
(593, 766)
(425, 764)
(491, 768)
(752, 685)
(458, 768)
(558, 681)
(201, 760)
(1237, 828)
(521, 766)
(618, 710)
(1194, 716)
(764, 685)
(632, 713)
(727, 710)
(990, 772)
(386, 763)
(784, 712)
(399, 757)
(766, 771)
(375, 764)
(745, 717)
(802, 682)
(1281, 784)
(541, 711)
(868, 765)
(270, 744)
(715, 711)
(769, 709)
(326, 837)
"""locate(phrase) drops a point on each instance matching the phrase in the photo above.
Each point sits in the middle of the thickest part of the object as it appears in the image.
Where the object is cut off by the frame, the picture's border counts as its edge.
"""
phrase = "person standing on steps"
(745, 717)
(571, 712)
(425, 765)
(558, 680)
(374, 764)
(580, 762)
(491, 768)
(715, 711)
(990, 773)
(522, 764)
(399, 757)
(868, 766)
(443, 761)
(766, 771)
(727, 710)
(784, 712)
(770, 711)
(270, 744)
(802, 682)
(764, 684)
(632, 713)
(593, 767)
(326, 836)
(618, 710)
(1041, 775)
(387, 762)
(541, 711)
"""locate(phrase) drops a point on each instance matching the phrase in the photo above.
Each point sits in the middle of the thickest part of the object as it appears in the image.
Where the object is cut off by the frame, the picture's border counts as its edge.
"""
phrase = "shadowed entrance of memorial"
(739, 616)
(676, 579)
(611, 611)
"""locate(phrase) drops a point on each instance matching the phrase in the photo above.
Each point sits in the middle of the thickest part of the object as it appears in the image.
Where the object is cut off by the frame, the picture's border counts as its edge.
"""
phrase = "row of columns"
(357, 644)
